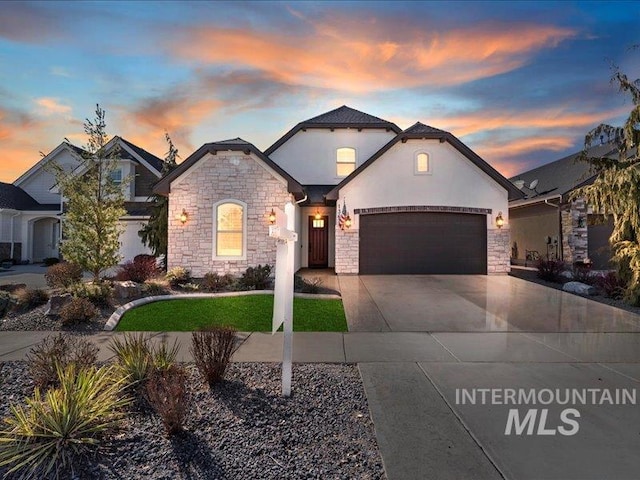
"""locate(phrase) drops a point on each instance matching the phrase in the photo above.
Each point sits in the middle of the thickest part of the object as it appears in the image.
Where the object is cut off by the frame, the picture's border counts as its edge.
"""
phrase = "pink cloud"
(354, 56)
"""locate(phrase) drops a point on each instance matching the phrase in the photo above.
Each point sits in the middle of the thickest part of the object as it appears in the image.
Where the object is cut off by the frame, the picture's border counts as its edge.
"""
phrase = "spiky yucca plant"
(45, 436)
(133, 357)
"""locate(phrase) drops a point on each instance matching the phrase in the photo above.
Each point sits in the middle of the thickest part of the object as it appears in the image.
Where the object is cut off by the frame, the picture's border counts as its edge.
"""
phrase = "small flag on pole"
(342, 218)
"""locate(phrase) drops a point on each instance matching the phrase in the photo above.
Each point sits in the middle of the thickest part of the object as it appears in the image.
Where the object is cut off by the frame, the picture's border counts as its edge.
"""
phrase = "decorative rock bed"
(243, 429)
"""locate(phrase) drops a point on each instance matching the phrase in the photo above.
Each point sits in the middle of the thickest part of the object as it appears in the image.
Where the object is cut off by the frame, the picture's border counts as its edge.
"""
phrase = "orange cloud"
(351, 57)
(51, 106)
(550, 118)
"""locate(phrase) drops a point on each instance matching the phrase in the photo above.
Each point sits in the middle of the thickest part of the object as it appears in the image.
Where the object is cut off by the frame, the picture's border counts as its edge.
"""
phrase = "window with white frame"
(345, 161)
(230, 227)
(116, 176)
(422, 164)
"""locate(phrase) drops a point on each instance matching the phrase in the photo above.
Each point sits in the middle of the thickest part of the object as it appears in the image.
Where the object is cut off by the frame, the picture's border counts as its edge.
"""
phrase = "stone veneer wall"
(347, 252)
(498, 251)
(575, 242)
(231, 175)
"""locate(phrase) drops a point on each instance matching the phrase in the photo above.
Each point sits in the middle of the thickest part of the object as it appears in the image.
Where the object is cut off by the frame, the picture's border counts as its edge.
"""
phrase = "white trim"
(214, 254)
(355, 161)
(415, 162)
(139, 158)
(47, 158)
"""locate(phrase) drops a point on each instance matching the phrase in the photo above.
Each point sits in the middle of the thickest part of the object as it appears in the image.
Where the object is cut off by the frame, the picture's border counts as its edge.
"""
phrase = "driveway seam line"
(375, 304)
(443, 346)
(552, 348)
(619, 373)
(464, 425)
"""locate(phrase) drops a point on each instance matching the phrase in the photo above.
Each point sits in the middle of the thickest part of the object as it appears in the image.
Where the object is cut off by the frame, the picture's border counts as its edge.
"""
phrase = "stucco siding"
(231, 175)
(452, 181)
(310, 156)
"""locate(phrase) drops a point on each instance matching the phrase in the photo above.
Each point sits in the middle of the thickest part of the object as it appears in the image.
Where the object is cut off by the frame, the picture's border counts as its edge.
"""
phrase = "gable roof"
(163, 187)
(76, 151)
(341, 117)
(562, 176)
(420, 131)
(150, 158)
(14, 198)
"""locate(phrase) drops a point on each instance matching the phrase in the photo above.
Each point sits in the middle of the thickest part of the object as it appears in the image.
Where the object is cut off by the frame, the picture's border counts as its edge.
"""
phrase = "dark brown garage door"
(423, 243)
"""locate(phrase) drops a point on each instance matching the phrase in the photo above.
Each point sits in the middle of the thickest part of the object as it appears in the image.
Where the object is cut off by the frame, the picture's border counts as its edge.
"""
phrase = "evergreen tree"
(155, 233)
(93, 203)
(616, 190)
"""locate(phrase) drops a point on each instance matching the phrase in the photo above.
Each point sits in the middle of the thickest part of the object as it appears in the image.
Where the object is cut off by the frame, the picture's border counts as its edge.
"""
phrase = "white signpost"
(284, 233)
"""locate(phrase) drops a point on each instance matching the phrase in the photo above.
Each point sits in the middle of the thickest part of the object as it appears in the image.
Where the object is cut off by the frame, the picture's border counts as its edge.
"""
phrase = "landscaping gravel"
(243, 429)
(36, 320)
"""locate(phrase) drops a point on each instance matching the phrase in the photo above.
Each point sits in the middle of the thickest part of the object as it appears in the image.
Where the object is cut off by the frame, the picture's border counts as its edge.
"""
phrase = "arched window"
(345, 161)
(230, 224)
(422, 165)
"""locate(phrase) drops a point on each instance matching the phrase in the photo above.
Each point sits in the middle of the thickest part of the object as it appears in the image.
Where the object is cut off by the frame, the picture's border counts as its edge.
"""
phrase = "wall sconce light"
(184, 216)
(347, 222)
(272, 217)
(318, 216)
(499, 220)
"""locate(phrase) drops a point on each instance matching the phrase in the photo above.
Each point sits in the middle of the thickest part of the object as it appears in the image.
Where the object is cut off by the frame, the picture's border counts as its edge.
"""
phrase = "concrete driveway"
(450, 334)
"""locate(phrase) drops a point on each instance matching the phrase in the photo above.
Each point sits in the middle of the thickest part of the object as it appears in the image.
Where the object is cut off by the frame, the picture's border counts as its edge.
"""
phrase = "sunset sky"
(520, 83)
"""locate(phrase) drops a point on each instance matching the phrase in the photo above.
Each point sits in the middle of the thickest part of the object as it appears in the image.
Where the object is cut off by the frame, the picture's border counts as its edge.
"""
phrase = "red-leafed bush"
(141, 269)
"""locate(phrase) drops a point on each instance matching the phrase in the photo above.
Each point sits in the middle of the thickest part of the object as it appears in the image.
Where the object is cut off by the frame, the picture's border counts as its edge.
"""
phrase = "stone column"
(498, 250)
(347, 251)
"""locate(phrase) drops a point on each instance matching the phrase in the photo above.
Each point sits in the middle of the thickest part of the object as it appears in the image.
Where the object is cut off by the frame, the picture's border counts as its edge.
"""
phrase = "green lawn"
(247, 313)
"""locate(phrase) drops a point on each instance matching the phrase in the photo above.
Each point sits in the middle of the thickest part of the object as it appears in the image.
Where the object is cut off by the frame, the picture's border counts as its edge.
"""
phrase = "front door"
(318, 242)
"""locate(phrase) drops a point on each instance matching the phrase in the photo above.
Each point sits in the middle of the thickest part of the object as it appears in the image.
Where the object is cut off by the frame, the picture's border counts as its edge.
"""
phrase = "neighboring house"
(418, 201)
(30, 208)
(549, 224)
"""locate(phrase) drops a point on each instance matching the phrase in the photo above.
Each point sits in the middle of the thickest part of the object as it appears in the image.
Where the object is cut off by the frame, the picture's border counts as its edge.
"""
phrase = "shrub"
(78, 310)
(178, 275)
(98, 293)
(256, 278)
(189, 287)
(213, 282)
(133, 356)
(6, 303)
(152, 288)
(49, 261)
(29, 298)
(164, 357)
(59, 351)
(611, 285)
(212, 349)
(583, 275)
(63, 274)
(307, 286)
(141, 269)
(167, 393)
(550, 270)
(52, 431)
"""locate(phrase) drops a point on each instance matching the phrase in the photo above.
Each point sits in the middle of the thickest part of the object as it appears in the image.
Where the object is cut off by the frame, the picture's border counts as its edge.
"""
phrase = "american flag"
(342, 217)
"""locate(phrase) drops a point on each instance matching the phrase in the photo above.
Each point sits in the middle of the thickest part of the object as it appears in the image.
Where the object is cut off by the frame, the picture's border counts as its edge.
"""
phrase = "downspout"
(12, 237)
(560, 248)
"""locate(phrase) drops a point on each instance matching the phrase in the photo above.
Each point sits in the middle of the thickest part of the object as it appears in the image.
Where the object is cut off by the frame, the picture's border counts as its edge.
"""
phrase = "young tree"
(155, 233)
(94, 203)
(616, 190)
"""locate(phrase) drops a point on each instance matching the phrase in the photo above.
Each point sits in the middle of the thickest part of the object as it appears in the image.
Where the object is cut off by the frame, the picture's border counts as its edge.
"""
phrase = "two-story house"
(370, 197)
(31, 207)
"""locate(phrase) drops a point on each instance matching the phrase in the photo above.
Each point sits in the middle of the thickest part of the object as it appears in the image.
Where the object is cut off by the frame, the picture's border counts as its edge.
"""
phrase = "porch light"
(184, 216)
(347, 222)
(318, 216)
(499, 220)
(272, 217)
